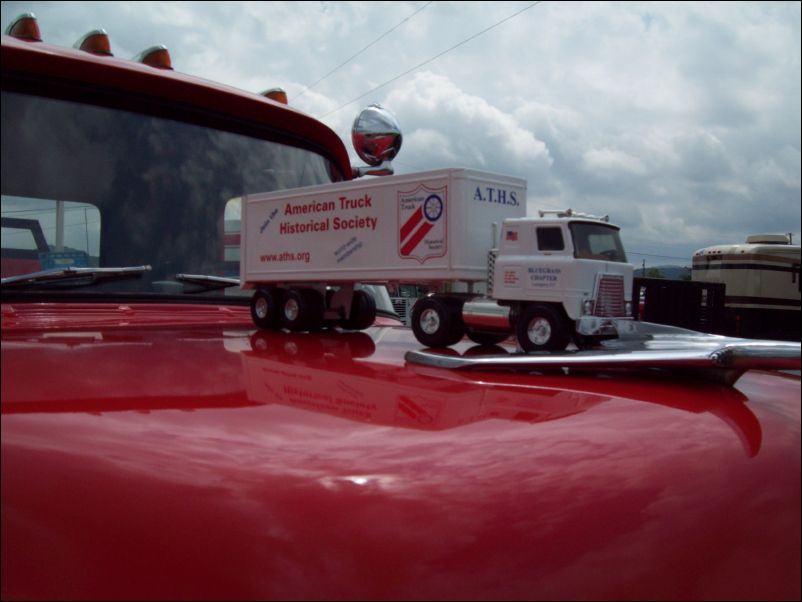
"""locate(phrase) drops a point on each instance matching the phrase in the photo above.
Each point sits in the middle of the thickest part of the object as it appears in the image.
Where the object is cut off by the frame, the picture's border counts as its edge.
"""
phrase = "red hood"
(155, 461)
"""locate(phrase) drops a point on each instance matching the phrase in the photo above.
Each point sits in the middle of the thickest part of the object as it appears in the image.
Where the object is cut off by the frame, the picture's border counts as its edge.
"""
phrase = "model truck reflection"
(335, 374)
(344, 375)
(325, 378)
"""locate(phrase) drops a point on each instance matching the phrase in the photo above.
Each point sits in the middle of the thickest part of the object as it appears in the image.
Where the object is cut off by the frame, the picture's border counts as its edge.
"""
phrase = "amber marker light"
(96, 42)
(25, 27)
(277, 94)
(156, 56)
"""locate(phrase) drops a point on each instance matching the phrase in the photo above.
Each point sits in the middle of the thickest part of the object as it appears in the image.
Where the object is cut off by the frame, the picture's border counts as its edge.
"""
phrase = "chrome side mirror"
(376, 137)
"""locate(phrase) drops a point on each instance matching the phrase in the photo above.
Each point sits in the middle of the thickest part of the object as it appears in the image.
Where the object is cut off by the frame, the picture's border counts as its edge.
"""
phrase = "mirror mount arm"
(385, 168)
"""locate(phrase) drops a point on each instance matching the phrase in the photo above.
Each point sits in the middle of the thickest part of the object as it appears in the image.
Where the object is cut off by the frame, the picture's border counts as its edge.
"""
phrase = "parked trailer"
(306, 252)
(762, 284)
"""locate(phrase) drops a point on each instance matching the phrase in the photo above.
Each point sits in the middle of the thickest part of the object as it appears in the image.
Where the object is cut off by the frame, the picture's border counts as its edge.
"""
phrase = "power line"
(48, 210)
(437, 56)
(658, 256)
(348, 60)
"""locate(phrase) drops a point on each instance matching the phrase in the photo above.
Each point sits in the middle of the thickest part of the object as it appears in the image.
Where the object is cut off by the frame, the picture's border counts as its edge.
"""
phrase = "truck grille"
(610, 297)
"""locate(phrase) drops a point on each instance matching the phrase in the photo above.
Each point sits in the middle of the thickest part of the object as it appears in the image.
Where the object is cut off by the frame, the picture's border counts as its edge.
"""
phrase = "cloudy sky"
(680, 120)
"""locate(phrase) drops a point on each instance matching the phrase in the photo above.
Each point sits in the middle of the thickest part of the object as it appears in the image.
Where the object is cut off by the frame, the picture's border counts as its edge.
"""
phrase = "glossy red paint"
(165, 461)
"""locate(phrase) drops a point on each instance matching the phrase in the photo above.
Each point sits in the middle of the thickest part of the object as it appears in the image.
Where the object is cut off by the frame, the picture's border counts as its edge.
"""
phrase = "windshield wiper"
(65, 275)
(207, 282)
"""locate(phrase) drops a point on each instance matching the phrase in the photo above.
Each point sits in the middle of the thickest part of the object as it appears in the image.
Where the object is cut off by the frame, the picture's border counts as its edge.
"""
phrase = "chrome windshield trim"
(204, 279)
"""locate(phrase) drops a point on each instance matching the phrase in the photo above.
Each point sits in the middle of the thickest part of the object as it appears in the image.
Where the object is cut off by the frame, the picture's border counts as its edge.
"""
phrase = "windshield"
(90, 186)
(597, 241)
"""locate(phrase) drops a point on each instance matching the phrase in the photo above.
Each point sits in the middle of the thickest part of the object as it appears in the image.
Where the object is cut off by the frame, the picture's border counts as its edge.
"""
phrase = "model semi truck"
(548, 279)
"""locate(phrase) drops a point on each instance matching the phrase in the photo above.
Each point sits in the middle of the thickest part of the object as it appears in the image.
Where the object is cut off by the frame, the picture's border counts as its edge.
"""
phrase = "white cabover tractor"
(560, 274)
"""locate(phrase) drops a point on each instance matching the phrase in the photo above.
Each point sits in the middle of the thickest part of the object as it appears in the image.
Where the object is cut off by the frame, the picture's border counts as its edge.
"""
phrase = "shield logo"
(422, 230)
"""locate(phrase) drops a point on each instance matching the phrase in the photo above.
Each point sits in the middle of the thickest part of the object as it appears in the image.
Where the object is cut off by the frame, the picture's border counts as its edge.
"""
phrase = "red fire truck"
(156, 445)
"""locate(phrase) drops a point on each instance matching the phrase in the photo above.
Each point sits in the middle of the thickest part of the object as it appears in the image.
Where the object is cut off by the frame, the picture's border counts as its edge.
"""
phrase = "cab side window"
(550, 239)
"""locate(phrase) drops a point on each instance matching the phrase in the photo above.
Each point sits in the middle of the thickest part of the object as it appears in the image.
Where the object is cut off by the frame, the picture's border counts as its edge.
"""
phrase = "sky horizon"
(679, 120)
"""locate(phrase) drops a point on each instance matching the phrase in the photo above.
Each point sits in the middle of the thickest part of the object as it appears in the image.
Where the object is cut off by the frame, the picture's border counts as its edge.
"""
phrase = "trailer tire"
(541, 328)
(436, 322)
(302, 309)
(265, 308)
(363, 312)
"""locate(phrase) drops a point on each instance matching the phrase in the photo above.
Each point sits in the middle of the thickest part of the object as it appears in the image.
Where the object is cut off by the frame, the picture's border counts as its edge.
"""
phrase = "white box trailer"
(425, 227)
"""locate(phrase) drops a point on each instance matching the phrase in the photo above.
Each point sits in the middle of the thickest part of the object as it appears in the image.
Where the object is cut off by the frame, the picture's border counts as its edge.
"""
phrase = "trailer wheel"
(265, 308)
(437, 323)
(302, 309)
(541, 328)
(363, 311)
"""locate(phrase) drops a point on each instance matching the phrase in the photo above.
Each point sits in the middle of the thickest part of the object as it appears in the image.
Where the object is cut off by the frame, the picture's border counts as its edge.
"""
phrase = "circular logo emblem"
(433, 207)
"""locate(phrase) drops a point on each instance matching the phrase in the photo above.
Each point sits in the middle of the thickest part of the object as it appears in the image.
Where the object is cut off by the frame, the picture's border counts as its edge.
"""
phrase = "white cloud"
(473, 128)
(612, 162)
(423, 140)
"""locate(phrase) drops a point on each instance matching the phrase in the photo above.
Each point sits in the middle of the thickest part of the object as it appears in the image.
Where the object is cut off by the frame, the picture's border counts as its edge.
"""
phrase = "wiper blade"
(61, 275)
(208, 282)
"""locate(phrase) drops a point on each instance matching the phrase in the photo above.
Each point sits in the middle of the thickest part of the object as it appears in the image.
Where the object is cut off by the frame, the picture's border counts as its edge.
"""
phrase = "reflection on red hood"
(176, 461)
